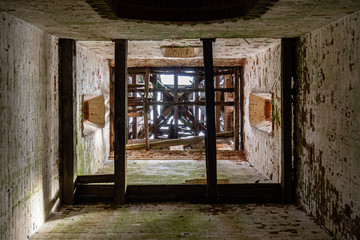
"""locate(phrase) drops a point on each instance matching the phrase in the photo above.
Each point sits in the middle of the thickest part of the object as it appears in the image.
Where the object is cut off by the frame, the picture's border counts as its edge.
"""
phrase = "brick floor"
(181, 221)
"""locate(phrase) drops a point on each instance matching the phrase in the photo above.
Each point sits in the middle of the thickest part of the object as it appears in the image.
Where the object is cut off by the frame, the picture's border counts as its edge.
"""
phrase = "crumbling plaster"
(327, 126)
(92, 79)
(76, 19)
(262, 75)
(29, 123)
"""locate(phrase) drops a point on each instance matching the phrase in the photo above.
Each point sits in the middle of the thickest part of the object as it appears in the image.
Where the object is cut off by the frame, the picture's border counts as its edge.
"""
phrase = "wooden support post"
(155, 114)
(176, 107)
(236, 109)
(196, 115)
(120, 119)
(228, 111)
(146, 108)
(210, 136)
(67, 123)
(134, 122)
(242, 108)
(288, 56)
(112, 79)
(217, 108)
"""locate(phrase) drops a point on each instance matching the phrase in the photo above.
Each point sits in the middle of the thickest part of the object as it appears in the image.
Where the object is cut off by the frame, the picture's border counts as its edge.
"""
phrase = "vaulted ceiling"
(78, 20)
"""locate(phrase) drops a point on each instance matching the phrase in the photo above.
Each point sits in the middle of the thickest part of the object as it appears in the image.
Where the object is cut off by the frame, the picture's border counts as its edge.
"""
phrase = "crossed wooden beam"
(185, 115)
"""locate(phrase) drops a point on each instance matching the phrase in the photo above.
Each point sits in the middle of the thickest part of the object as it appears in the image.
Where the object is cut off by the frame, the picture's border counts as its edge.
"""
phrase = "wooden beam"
(176, 107)
(67, 123)
(166, 143)
(229, 193)
(175, 142)
(199, 103)
(217, 108)
(186, 90)
(104, 178)
(288, 71)
(134, 115)
(146, 107)
(120, 119)
(242, 108)
(134, 120)
(155, 112)
(210, 136)
(112, 80)
(196, 115)
(237, 109)
(228, 111)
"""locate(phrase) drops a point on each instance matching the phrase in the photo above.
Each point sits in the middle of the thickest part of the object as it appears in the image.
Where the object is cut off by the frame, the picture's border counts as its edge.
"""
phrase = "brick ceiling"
(77, 19)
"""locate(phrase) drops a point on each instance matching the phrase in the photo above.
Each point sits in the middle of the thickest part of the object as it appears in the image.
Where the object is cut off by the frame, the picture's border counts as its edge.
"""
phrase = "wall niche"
(260, 111)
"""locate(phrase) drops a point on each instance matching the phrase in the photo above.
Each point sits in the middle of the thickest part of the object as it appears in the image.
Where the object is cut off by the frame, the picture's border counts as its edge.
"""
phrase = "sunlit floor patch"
(185, 171)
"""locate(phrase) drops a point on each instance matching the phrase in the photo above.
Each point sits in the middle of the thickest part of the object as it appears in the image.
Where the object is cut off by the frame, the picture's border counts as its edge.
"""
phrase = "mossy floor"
(180, 221)
(179, 171)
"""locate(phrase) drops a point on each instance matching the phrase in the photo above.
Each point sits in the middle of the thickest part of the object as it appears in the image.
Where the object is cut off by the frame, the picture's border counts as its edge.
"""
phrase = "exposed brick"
(262, 75)
(28, 127)
(92, 79)
(327, 126)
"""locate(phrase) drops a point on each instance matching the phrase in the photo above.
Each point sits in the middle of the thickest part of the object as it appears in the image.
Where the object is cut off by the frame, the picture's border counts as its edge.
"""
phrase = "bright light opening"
(185, 80)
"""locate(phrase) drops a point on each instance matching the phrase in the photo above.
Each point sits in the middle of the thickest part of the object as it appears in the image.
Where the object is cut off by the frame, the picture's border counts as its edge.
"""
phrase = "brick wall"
(262, 75)
(327, 126)
(92, 79)
(28, 127)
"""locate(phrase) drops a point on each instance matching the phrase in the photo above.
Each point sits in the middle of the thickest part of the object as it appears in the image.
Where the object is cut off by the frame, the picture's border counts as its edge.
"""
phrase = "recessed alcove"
(260, 111)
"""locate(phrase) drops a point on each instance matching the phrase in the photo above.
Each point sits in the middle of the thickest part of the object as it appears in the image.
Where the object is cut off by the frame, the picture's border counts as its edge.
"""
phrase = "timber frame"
(97, 187)
(184, 104)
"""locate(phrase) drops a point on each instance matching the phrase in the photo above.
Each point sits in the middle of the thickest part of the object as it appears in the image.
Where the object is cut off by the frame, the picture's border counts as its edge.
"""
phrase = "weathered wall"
(327, 126)
(262, 75)
(28, 127)
(92, 79)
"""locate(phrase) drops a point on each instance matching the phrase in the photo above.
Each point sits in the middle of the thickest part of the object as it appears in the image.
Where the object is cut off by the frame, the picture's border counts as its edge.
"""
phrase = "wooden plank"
(199, 103)
(134, 85)
(288, 72)
(175, 142)
(104, 178)
(134, 120)
(210, 136)
(166, 143)
(228, 193)
(242, 108)
(134, 115)
(250, 193)
(217, 108)
(187, 90)
(67, 125)
(176, 107)
(146, 107)
(120, 119)
(160, 193)
(95, 190)
(236, 109)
